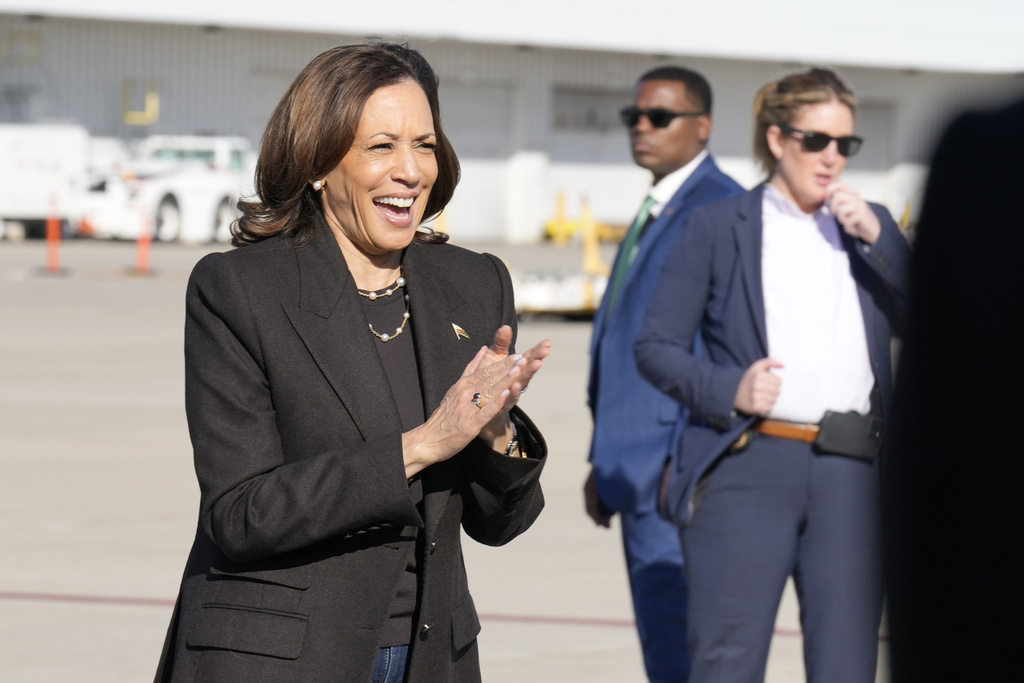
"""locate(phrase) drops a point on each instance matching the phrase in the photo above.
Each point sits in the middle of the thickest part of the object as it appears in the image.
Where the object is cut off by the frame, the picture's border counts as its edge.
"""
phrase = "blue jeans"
(390, 666)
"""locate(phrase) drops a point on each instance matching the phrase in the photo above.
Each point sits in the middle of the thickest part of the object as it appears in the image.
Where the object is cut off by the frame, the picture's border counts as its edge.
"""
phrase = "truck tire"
(167, 223)
(222, 220)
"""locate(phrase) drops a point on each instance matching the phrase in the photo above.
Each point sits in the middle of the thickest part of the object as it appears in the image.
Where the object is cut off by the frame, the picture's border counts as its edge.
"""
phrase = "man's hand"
(595, 510)
(759, 388)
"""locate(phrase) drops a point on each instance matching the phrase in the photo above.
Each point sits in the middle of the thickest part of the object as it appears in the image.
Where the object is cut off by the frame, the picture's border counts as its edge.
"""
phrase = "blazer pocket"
(244, 629)
(300, 576)
(465, 624)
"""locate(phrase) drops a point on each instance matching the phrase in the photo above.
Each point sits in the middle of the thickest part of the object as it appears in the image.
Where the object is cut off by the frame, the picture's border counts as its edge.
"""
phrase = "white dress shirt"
(662, 193)
(812, 314)
(667, 187)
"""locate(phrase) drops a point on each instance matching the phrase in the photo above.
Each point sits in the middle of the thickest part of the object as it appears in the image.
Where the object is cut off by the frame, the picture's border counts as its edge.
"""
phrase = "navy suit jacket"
(633, 421)
(713, 286)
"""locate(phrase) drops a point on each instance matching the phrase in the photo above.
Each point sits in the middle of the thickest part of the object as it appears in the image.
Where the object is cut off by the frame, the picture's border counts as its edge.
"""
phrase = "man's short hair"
(697, 87)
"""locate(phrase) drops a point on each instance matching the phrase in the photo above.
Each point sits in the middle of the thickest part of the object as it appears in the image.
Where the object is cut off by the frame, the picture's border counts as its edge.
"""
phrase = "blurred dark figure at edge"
(950, 489)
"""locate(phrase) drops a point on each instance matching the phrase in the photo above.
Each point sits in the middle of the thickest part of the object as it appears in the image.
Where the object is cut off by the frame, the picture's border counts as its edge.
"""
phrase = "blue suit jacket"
(633, 421)
(716, 290)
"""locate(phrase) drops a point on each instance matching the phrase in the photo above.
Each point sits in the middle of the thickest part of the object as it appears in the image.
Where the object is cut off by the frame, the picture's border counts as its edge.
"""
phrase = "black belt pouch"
(851, 434)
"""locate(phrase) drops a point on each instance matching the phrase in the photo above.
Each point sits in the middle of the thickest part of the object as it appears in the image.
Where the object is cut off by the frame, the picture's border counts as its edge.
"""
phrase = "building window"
(589, 110)
(479, 119)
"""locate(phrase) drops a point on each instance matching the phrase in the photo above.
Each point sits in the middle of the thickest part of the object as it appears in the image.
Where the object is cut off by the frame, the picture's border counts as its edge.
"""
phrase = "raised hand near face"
(853, 213)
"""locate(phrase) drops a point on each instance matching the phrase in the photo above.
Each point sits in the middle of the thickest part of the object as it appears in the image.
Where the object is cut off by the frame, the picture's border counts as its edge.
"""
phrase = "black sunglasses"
(659, 118)
(812, 141)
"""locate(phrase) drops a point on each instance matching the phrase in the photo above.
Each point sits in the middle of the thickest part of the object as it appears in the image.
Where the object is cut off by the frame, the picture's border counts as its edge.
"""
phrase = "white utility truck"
(43, 175)
(174, 188)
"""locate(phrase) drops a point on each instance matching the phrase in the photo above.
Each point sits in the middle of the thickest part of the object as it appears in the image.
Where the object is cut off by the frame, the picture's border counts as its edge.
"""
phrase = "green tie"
(627, 252)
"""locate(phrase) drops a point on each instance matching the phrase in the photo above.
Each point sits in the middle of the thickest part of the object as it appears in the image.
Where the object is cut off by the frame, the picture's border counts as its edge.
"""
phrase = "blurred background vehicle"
(42, 175)
(532, 109)
(172, 187)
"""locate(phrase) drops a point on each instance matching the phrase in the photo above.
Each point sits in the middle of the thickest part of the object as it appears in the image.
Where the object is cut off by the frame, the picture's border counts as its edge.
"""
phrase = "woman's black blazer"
(306, 523)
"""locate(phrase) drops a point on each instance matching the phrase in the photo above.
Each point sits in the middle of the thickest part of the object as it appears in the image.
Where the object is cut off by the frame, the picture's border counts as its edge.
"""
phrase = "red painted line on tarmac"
(507, 618)
(89, 599)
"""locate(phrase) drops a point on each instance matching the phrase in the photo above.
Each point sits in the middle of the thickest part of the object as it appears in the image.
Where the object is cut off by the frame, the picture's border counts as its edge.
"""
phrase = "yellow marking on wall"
(150, 112)
(20, 46)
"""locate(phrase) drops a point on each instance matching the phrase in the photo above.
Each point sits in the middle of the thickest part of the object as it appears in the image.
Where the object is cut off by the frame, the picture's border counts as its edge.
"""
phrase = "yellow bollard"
(560, 228)
(592, 263)
(905, 218)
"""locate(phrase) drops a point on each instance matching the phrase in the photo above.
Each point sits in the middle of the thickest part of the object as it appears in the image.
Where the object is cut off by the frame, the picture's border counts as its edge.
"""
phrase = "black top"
(398, 355)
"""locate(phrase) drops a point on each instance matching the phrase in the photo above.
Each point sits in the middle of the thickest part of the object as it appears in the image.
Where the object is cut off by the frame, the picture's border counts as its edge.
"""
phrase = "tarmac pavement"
(98, 500)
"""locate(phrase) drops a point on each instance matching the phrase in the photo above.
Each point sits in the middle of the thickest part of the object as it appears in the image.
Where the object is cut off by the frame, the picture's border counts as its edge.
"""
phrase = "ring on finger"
(523, 390)
(477, 402)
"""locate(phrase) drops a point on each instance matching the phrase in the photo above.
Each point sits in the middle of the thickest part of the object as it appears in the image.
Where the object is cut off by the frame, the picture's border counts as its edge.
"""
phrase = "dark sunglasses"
(812, 141)
(659, 118)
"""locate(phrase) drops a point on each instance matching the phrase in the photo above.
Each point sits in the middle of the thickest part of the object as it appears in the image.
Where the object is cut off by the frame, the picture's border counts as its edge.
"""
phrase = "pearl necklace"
(372, 296)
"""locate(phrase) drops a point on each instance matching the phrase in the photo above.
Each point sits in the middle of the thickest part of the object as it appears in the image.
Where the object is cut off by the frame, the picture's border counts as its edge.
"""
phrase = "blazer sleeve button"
(427, 627)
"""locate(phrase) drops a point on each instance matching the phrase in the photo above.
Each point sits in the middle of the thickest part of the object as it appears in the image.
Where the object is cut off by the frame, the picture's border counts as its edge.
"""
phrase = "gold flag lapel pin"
(459, 332)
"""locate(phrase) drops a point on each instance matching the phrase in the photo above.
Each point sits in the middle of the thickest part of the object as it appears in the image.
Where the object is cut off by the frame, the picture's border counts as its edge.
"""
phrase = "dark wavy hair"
(312, 128)
(779, 101)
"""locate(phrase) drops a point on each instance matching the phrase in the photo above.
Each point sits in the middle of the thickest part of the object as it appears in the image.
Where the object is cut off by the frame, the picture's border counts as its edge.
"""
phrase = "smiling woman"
(342, 432)
(376, 195)
(314, 129)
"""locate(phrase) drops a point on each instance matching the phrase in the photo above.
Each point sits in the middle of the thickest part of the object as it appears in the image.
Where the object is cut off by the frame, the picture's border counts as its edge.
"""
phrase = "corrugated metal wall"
(208, 80)
(497, 101)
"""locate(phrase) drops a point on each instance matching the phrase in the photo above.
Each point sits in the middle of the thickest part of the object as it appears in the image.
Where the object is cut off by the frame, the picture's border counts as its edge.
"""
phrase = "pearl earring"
(318, 185)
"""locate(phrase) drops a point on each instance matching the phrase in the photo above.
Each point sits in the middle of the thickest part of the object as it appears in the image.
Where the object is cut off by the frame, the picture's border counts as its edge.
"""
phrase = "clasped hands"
(495, 380)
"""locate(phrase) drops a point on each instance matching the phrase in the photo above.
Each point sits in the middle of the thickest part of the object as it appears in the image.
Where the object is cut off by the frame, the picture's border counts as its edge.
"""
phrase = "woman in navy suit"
(347, 416)
(794, 288)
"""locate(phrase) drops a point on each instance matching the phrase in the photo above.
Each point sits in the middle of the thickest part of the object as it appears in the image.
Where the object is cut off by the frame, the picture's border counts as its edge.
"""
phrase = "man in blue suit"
(669, 124)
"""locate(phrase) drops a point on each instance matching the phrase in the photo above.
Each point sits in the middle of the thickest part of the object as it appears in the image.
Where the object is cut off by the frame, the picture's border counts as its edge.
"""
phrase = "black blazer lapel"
(441, 352)
(330, 321)
(747, 231)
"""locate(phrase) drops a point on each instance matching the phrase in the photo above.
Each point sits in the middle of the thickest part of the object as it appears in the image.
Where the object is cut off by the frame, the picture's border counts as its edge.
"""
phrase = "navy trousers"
(654, 560)
(772, 511)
